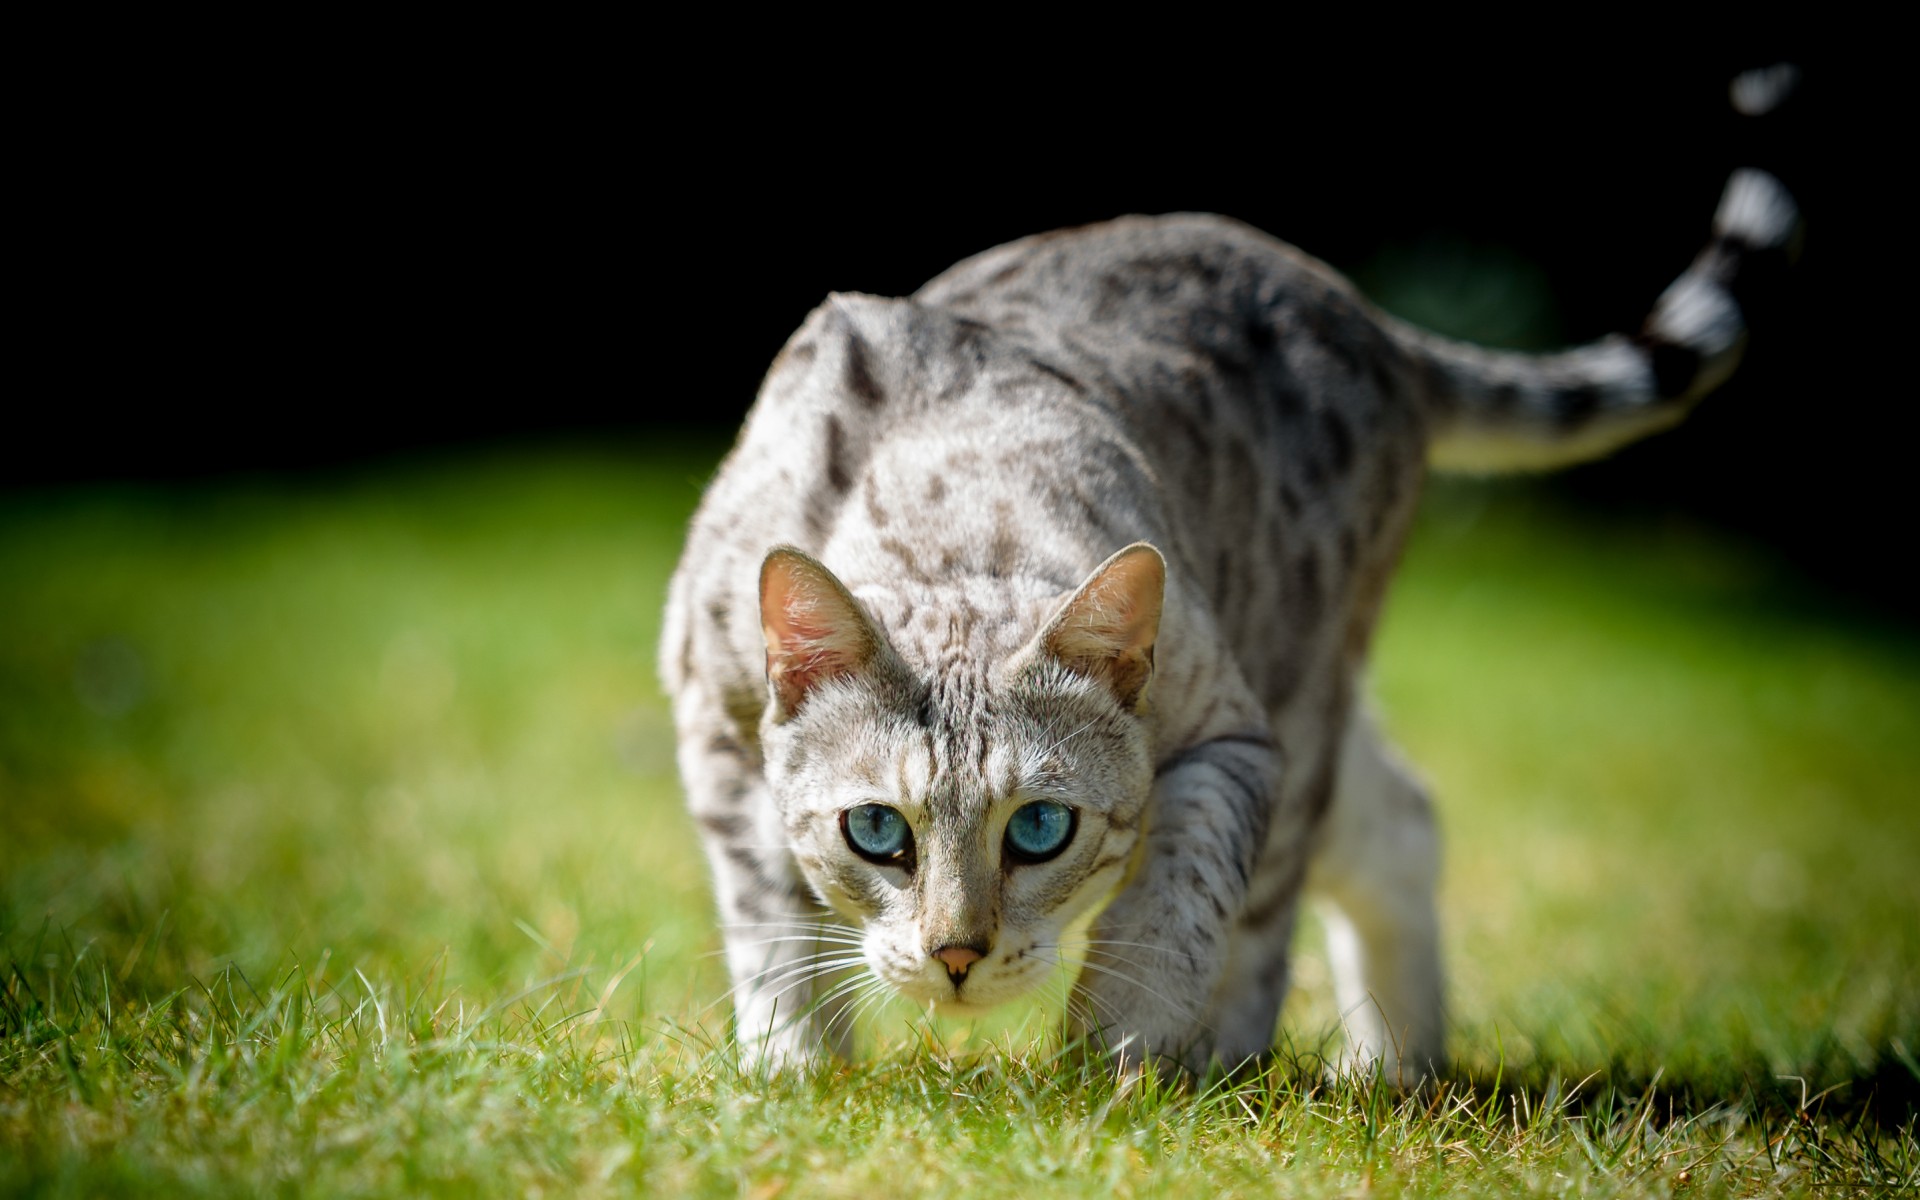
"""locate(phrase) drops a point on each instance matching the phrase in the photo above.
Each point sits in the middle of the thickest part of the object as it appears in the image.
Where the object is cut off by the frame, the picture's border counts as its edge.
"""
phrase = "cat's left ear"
(815, 630)
(1107, 628)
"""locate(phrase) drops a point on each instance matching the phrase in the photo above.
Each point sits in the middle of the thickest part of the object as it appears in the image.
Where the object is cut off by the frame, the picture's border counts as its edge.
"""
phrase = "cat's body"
(933, 693)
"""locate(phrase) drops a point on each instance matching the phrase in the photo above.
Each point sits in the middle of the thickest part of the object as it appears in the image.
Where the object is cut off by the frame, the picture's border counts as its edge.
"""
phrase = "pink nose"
(957, 958)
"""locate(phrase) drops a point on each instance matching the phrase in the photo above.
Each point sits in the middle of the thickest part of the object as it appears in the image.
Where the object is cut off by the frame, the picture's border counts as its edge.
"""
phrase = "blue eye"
(877, 832)
(1040, 830)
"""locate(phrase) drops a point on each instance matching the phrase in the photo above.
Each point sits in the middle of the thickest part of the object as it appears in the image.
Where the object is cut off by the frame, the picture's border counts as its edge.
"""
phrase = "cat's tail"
(1499, 411)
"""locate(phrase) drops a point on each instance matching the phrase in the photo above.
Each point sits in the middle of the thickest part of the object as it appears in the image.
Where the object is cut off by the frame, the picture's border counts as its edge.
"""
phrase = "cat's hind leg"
(1373, 882)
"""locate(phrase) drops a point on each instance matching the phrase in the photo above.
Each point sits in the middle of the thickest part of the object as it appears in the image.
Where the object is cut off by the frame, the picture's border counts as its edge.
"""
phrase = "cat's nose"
(956, 959)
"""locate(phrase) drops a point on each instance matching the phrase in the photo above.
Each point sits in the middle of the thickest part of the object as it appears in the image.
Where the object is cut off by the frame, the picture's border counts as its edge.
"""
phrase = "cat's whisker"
(781, 972)
(1063, 975)
(784, 972)
(744, 938)
(816, 929)
(778, 973)
(1093, 1019)
(814, 1005)
(854, 983)
(1085, 1013)
(872, 1001)
(1185, 1010)
(1088, 943)
(819, 971)
(1110, 958)
(759, 981)
(849, 1011)
(1103, 947)
(805, 938)
(798, 920)
(1091, 1012)
(822, 1003)
(817, 1004)
(778, 961)
(865, 989)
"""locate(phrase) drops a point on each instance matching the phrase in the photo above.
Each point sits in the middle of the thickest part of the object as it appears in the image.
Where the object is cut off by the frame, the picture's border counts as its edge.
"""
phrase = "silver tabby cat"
(1047, 591)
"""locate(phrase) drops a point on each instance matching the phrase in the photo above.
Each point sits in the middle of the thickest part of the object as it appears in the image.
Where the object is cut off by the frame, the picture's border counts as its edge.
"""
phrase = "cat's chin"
(948, 1005)
(976, 999)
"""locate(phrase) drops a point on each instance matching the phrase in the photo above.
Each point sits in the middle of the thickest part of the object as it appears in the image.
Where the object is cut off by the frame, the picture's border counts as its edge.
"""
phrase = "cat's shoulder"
(864, 353)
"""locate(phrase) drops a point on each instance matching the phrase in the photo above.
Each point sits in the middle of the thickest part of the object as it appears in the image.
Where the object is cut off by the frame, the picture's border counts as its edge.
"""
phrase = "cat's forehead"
(955, 768)
(974, 739)
(961, 630)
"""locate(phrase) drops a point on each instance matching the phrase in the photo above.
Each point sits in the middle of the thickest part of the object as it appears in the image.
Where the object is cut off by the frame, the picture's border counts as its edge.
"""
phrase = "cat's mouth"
(968, 1001)
(983, 988)
(954, 999)
(960, 1006)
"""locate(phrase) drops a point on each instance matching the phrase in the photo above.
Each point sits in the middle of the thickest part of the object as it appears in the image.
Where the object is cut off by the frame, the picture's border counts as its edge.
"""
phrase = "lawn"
(341, 853)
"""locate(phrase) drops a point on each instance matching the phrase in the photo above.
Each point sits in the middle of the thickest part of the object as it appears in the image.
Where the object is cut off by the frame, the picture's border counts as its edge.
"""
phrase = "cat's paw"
(1156, 1027)
(1120, 1062)
(1131, 1055)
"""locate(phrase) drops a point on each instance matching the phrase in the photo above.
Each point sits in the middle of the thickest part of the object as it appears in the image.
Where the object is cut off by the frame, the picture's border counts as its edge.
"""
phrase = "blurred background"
(440, 252)
(369, 401)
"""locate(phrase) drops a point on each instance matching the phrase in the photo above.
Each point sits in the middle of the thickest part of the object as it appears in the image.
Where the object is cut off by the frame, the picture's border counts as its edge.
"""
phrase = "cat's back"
(1278, 408)
(1226, 352)
(1196, 279)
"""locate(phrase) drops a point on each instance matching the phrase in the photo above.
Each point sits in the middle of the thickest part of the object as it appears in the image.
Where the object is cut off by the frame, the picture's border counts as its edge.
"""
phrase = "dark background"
(282, 270)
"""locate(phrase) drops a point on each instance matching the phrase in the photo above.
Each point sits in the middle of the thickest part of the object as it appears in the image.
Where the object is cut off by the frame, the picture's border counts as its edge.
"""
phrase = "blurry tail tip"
(1756, 209)
(1763, 89)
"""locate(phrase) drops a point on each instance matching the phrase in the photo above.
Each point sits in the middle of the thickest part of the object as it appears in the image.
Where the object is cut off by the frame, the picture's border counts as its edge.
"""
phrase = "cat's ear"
(814, 628)
(1107, 628)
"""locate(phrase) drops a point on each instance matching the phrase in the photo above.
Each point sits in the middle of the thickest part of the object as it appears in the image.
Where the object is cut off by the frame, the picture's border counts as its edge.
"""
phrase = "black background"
(278, 266)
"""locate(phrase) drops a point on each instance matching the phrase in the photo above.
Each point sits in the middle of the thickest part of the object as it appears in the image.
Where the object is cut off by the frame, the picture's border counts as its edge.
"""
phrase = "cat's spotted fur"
(1103, 519)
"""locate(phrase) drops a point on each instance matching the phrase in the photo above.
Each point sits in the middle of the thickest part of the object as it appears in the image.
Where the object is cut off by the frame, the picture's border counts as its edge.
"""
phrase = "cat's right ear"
(1107, 628)
(814, 628)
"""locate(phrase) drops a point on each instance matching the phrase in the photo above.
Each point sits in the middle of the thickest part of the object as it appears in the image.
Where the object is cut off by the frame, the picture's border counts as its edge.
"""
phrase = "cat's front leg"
(787, 960)
(785, 952)
(1157, 951)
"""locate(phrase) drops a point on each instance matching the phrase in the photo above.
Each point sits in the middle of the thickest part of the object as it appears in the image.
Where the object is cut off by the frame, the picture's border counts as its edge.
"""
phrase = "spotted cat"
(1047, 590)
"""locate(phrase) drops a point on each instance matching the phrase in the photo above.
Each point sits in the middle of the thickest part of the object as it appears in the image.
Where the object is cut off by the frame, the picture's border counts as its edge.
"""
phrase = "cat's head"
(961, 811)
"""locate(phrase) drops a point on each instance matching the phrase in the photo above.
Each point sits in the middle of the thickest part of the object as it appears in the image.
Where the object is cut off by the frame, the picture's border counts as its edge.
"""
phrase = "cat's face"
(964, 843)
(961, 817)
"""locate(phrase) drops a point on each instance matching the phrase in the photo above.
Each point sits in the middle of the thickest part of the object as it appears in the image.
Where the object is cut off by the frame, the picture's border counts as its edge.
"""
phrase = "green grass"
(340, 852)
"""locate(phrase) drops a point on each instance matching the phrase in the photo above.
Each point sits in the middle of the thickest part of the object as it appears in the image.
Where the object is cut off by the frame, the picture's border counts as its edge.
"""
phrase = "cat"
(1047, 591)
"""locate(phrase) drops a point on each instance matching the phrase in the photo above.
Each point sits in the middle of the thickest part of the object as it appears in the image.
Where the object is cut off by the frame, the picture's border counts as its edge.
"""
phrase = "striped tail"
(1499, 411)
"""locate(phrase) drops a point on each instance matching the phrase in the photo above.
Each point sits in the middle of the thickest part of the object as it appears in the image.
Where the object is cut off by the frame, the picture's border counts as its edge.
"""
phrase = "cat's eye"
(1040, 830)
(878, 833)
